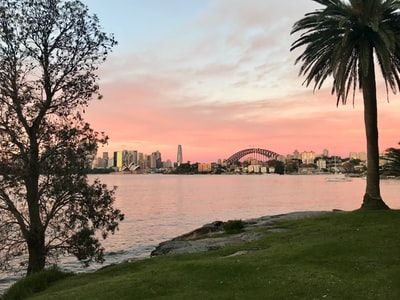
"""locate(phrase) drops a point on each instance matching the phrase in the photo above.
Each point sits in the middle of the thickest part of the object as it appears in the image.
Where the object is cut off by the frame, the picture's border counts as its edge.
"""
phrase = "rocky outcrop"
(205, 244)
(211, 236)
(205, 231)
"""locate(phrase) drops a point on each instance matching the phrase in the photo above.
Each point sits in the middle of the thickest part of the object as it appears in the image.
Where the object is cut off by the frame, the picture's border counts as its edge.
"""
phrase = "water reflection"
(159, 207)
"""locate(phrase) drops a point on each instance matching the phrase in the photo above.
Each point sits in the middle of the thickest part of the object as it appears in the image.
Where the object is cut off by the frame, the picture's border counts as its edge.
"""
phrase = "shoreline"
(205, 238)
(212, 236)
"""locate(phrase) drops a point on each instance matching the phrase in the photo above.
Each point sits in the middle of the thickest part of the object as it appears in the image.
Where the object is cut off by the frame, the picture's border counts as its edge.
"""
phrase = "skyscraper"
(179, 155)
(105, 160)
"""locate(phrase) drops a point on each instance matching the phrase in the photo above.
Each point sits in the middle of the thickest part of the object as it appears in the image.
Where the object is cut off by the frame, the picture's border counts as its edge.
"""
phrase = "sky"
(217, 77)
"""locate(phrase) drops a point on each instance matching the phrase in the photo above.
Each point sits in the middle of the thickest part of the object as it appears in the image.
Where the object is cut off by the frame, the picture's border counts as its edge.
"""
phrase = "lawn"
(347, 255)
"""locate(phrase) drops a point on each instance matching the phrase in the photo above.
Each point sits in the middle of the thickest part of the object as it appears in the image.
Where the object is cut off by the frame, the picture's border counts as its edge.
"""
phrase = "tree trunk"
(372, 197)
(36, 238)
(36, 251)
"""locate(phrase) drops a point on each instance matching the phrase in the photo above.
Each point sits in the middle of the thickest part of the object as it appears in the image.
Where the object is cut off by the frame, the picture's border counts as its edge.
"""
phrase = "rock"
(202, 232)
(182, 244)
(203, 239)
(169, 246)
(203, 245)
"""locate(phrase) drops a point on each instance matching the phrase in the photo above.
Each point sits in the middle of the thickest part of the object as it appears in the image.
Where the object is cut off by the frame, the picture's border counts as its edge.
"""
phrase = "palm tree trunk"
(372, 197)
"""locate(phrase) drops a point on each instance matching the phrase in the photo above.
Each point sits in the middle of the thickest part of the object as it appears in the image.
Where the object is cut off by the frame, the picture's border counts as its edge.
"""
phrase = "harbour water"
(160, 207)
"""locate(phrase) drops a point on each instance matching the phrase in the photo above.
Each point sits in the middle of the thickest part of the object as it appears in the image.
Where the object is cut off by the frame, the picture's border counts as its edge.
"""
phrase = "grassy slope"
(337, 256)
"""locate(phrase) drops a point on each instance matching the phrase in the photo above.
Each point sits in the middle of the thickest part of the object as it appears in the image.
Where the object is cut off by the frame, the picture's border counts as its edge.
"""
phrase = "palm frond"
(339, 38)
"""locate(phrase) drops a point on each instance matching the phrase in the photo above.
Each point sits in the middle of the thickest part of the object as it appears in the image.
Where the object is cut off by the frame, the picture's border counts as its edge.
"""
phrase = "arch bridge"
(256, 151)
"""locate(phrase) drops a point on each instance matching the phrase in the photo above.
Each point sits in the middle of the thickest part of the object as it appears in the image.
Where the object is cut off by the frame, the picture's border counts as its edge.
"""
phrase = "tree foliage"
(341, 40)
(392, 163)
(49, 53)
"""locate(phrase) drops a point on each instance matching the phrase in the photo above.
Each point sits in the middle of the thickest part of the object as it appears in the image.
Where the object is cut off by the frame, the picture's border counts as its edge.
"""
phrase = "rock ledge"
(206, 237)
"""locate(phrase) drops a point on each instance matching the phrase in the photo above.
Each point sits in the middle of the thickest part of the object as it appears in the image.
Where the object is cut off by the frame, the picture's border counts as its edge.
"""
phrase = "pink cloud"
(224, 82)
(209, 131)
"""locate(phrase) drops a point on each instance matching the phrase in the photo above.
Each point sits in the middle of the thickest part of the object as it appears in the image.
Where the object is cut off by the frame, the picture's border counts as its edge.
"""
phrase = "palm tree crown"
(339, 39)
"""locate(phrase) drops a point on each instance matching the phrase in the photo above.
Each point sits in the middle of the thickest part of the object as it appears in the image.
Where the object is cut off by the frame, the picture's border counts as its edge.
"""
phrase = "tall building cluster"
(132, 160)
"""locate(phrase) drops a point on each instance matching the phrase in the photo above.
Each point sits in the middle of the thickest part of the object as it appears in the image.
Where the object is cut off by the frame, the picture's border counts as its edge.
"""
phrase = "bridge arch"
(242, 153)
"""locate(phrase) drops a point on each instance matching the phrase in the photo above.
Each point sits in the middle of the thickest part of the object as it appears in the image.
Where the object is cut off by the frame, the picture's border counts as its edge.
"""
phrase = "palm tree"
(342, 39)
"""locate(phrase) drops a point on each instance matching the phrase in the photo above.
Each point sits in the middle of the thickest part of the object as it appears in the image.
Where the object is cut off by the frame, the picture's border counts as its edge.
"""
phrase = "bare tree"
(49, 53)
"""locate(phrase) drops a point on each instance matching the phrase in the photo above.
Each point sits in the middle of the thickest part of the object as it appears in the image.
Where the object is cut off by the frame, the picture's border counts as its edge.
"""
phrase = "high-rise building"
(118, 159)
(141, 161)
(152, 161)
(179, 155)
(105, 160)
(135, 156)
(157, 157)
(125, 159)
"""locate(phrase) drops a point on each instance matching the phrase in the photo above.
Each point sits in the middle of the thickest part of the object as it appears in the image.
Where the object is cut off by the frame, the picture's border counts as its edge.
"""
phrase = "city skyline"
(218, 77)
(304, 155)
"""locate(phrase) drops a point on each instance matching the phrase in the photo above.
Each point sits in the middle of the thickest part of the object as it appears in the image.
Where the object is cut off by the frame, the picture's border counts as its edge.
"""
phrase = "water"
(160, 207)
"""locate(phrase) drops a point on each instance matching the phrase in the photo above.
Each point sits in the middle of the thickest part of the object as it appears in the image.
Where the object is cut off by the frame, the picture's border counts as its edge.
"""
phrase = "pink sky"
(217, 77)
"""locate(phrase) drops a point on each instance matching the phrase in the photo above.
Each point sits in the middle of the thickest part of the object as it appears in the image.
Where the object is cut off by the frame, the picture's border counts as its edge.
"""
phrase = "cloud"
(224, 80)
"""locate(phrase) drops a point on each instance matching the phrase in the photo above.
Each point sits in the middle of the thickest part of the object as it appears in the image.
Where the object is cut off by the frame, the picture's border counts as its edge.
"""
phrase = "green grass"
(34, 284)
(354, 255)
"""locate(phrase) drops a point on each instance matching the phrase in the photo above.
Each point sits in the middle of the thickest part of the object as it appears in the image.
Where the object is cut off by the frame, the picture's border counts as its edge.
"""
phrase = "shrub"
(233, 226)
